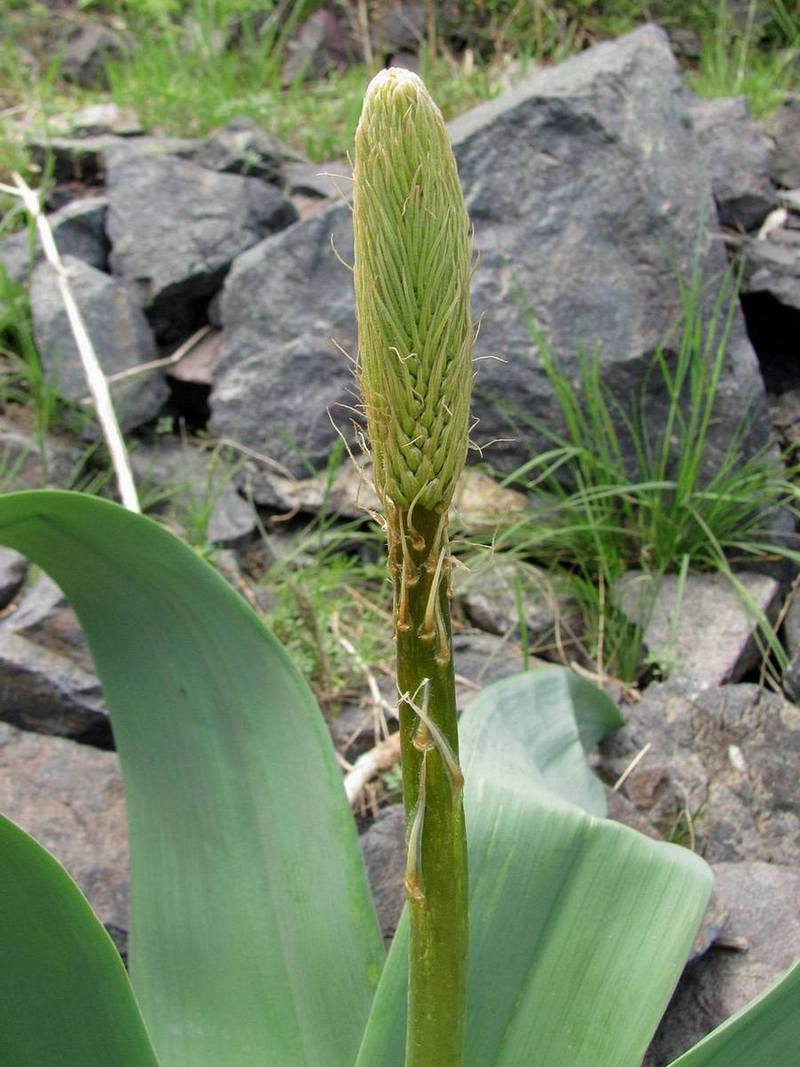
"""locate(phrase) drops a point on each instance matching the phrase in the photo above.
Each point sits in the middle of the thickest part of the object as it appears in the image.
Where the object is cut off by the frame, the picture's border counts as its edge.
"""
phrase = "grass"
(611, 494)
(737, 60)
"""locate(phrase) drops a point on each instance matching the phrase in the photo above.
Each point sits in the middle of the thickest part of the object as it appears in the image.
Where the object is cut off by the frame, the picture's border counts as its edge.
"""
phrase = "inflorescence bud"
(413, 263)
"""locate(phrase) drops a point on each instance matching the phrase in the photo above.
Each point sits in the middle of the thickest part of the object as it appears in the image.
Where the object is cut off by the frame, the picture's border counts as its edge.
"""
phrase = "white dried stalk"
(381, 758)
(98, 386)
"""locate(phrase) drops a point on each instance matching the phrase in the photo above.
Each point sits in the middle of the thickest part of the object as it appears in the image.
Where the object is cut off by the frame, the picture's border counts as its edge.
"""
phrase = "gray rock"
(321, 44)
(384, 849)
(47, 678)
(13, 571)
(175, 229)
(759, 941)
(119, 333)
(721, 769)
(402, 28)
(87, 52)
(85, 159)
(198, 492)
(703, 629)
(105, 117)
(241, 146)
(481, 659)
(582, 208)
(323, 180)
(69, 797)
(278, 374)
(504, 595)
(784, 127)
(78, 230)
(772, 268)
(738, 156)
(33, 460)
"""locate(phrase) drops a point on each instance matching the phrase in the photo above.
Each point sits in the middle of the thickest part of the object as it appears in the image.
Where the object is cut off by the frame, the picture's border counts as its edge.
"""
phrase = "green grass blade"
(765, 1031)
(64, 996)
(253, 937)
(580, 926)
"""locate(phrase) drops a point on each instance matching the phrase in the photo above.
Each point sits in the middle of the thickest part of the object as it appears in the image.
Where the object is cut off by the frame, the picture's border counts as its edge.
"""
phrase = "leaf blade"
(240, 951)
(64, 995)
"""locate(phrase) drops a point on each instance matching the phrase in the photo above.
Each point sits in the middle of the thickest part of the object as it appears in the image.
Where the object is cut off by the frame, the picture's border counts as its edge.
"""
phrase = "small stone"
(330, 181)
(69, 797)
(241, 146)
(759, 901)
(384, 849)
(701, 628)
(201, 497)
(87, 52)
(13, 571)
(505, 596)
(78, 230)
(197, 366)
(738, 157)
(119, 333)
(47, 678)
(106, 117)
(479, 501)
(716, 767)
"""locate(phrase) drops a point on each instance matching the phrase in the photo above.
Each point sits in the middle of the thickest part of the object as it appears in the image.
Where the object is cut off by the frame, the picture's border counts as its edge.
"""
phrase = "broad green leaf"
(580, 926)
(551, 718)
(253, 937)
(766, 1031)
(64, 995)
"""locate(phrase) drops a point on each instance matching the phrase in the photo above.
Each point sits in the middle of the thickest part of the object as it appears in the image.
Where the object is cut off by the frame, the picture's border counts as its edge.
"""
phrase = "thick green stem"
(436, 877)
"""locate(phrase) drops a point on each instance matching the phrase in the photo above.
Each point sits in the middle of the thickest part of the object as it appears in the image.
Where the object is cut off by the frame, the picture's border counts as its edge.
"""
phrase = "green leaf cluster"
(253, 936)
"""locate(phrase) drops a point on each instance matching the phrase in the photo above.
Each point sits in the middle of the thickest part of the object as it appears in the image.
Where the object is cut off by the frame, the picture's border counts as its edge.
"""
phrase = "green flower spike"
(413, 263)
(412, 277)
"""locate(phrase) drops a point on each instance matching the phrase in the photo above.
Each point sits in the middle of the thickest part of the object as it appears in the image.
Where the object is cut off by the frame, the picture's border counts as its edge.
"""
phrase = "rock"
(506, 595)
(720, 769)
(770, 296)
(85, 159)
(278, 374)
(383, 846)
(403, 28)
(78, 230)
(197, 366)
(34, 459)
(106, 117)
(69, 797)
(87, 52)
(47, 678)
(320, 45)
(704, 627)
(772, 267)
(620, 809)
(479, 502)
(13, 571)
(119, 333)
(322, 180)
(481, 659)
(242, 147)
(760, 902)
(791, 637)
(198, 490)
(738, 157)
(582, 208)
(784, 127)
(175, 229)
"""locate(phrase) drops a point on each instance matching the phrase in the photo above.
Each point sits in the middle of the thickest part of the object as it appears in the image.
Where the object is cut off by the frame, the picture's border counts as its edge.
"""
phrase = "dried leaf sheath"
(412, 277)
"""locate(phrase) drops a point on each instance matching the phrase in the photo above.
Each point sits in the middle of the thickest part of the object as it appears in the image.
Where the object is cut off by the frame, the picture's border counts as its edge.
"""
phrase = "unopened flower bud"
(413, 254)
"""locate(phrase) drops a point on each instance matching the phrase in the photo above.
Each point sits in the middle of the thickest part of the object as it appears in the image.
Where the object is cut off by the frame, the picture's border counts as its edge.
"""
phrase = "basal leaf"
(65, 998)
(253, 937)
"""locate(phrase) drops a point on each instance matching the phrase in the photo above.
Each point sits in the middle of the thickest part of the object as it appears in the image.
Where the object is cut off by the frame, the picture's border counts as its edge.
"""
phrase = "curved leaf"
(64, 995)
(253, 937)
(580, 926)
(765, 1031)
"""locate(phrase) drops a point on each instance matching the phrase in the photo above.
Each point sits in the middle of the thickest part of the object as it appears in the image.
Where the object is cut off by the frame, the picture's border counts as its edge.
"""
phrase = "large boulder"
(592, 202)
(176, 227)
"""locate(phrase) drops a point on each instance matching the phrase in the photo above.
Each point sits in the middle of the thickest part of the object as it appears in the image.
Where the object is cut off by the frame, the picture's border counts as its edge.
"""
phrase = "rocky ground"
(592, 186)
